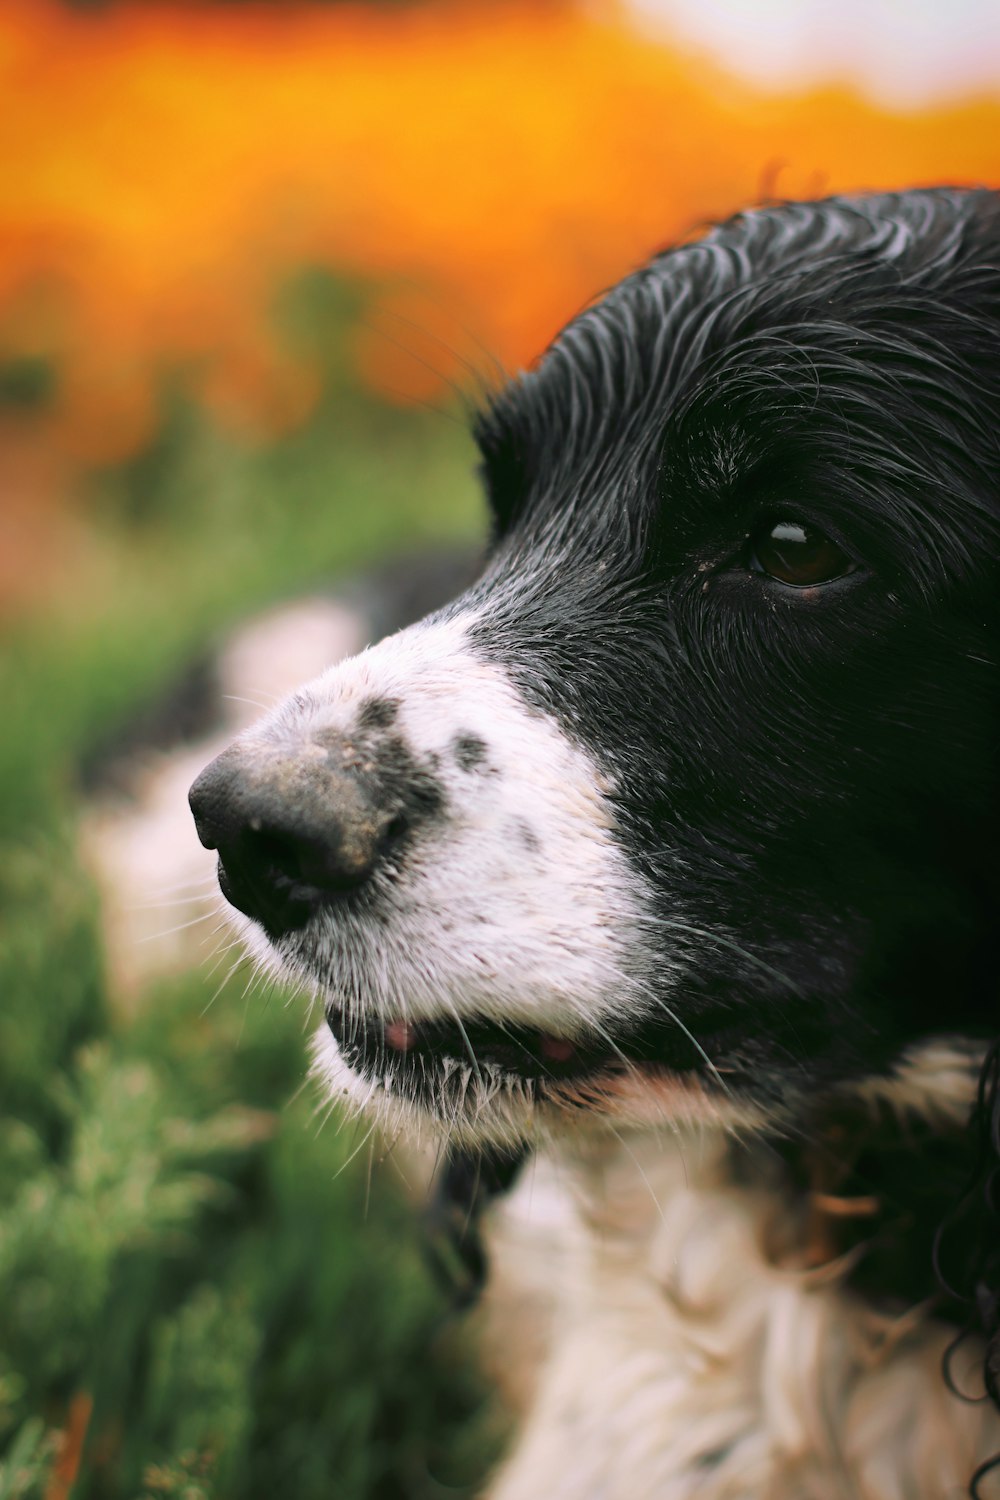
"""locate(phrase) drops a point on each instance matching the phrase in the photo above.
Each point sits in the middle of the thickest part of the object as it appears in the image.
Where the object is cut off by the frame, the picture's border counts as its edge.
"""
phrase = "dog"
(668, 851)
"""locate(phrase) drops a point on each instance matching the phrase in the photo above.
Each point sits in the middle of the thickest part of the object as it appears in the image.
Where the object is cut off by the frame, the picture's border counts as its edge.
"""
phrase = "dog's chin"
(480, 1082)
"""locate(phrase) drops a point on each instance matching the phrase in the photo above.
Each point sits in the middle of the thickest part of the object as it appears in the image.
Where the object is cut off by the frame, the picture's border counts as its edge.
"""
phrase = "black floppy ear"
(466, 1184)
(967, 1249)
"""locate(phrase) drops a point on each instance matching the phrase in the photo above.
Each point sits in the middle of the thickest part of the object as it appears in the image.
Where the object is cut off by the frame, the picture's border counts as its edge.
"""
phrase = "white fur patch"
(935, 1080)
(685, 1364)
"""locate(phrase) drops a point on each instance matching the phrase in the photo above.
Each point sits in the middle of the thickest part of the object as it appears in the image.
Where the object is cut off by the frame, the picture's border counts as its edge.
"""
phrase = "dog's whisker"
(271, 698)
(188, 900)
(192, 887)
(238, 964)
(355, 1153)
(154, 937)
(654, 1198)
(721, 940)
(224, 950)
(709, 1062)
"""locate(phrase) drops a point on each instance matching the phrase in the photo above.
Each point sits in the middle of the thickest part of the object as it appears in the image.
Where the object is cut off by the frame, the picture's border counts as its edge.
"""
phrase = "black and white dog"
(670, 848)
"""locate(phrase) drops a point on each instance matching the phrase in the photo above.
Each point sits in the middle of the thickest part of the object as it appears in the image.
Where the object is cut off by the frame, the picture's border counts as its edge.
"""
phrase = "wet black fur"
(806, 777)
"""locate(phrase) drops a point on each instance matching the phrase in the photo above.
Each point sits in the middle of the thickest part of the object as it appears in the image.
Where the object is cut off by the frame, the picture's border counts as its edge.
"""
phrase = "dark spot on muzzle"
(526, 835)
(469, 752)
(378, 713)
(302, 825)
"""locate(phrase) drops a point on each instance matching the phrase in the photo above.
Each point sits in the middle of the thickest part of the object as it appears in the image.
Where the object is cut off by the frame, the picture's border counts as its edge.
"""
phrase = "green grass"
(198, 1285)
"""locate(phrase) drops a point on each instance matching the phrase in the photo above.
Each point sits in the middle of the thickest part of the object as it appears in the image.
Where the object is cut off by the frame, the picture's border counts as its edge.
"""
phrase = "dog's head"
(687, 807)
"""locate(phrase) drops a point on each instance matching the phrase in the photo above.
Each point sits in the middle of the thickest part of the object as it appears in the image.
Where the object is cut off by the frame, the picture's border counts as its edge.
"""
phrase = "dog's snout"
(296, 828)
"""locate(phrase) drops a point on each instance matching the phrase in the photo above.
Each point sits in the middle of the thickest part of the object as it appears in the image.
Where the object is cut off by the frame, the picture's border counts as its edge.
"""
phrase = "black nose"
(297, 827)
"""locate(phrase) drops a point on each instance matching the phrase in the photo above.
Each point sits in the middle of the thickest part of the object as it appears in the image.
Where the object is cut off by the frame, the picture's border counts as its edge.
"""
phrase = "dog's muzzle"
(436, 861)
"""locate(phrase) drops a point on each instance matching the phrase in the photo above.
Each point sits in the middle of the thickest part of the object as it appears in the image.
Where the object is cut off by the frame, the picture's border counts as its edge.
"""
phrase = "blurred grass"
(197, 1300)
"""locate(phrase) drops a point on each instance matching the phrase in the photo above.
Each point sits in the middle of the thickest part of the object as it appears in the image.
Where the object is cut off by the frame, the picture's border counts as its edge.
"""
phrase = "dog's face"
(687, 807)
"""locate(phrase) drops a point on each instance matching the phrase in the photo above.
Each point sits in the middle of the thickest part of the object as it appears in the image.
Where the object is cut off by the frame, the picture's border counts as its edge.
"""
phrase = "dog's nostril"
(343, 858)
(395, 829)
(274, 849)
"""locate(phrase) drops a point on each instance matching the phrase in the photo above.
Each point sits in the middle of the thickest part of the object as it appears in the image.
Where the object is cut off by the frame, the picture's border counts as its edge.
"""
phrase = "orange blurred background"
(484, 168)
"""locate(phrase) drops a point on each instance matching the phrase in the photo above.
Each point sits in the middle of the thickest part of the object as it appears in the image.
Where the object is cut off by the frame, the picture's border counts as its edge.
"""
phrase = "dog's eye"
(797, 554)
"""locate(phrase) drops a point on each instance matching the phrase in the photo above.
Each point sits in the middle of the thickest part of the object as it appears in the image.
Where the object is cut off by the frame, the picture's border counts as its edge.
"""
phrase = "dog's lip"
(415, 1056)
(404, 1047)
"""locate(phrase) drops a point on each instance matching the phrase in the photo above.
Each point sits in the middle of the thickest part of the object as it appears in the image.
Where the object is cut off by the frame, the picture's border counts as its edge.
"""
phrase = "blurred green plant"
(202, 1295)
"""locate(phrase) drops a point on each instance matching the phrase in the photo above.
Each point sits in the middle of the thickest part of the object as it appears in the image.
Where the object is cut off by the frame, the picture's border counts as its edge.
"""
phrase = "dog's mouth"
(436, 1062)
(416, 1055)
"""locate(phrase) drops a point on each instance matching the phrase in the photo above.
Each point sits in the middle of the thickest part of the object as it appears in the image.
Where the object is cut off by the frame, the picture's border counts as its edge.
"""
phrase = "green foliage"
(204, 1296)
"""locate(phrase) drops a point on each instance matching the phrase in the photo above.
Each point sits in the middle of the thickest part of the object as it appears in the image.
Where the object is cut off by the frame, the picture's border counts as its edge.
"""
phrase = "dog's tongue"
(556, 1048)
(400, 1036)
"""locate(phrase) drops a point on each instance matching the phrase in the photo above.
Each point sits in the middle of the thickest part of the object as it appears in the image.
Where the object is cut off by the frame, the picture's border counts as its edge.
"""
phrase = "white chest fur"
(682, 1362)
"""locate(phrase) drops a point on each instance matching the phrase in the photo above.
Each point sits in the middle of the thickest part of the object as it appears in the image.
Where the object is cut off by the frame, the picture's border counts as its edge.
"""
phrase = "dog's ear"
(514, 432)
(465, 1185)
(967, 1250)
(503, 471)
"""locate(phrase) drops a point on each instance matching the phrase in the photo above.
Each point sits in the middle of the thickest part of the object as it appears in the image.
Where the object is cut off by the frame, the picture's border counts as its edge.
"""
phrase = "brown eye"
(798, 554)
